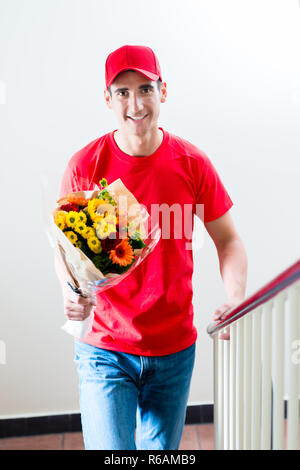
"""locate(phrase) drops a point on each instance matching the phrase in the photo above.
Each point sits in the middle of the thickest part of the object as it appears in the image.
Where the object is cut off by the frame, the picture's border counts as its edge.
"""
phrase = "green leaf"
(136, 244)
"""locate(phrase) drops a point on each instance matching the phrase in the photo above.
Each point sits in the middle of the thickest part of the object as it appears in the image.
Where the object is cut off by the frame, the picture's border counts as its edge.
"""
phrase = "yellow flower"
(61, 214)
(90, 232)
(92, 206)
(95, 225)
(82, 217)
(112, 219)
(94, 244)
(97, 219)
(60, 222)
(106, 209)
(104, 229)
(71, 236)
(72, 218)
(81, 228)
(78, 244)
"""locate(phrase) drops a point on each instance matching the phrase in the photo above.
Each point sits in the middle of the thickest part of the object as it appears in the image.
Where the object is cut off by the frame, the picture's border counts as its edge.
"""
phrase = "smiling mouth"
(137, 120)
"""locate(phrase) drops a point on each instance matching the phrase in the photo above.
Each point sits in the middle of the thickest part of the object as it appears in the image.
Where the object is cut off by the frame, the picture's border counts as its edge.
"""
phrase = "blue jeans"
(130, 402)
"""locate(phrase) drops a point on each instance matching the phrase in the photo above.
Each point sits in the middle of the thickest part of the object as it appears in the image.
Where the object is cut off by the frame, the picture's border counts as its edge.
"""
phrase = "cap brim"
(150, 75)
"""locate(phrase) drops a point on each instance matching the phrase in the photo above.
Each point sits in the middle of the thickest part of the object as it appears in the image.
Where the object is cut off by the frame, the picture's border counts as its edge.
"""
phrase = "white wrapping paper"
(81, 271)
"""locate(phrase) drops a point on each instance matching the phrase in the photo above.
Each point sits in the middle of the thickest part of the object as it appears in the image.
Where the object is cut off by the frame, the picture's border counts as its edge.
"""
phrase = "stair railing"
(257, 371)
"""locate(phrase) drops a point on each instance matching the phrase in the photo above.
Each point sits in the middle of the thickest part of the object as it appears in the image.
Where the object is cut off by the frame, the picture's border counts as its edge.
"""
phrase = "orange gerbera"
(79, 200)
(73, 199)
(122, 254)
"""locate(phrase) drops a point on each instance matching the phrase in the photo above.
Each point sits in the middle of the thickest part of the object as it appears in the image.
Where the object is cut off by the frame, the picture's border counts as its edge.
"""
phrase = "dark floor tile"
(41, 442)
(206, 435)
(194, 437)
(190, 439)
(73, 441)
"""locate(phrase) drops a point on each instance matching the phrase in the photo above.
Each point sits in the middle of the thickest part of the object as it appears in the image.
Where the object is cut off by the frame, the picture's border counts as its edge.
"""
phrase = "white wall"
(232, 70)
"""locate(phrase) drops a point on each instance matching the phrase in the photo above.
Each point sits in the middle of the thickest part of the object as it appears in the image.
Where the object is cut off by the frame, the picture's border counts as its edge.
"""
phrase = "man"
(136, 364)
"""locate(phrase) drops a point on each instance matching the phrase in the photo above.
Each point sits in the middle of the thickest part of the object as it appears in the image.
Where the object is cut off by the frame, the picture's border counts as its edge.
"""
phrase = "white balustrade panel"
(232, 388)
(256, 380)
(249, 385)
(292, 370)
(277, 372)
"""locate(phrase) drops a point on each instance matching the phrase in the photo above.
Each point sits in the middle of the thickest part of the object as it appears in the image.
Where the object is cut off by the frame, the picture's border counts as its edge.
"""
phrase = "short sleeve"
(210, 192)
(69, 182)
(76, 177)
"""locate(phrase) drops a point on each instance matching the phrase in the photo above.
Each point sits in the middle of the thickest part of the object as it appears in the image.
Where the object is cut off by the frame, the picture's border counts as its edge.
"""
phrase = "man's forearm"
(233, 268)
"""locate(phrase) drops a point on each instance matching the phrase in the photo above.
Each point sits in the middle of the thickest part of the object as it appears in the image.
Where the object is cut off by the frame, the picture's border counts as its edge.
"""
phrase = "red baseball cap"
(139, 58)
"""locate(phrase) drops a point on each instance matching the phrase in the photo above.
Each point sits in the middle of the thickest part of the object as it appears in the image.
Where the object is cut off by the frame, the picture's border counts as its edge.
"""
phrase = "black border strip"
(17, 427)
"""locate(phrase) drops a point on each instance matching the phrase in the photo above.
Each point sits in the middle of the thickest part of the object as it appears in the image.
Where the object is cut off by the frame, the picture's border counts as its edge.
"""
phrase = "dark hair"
(158, 82)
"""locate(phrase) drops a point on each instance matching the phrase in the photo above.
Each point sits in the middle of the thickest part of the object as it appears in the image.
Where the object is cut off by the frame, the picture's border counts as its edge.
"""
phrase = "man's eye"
(146, 90)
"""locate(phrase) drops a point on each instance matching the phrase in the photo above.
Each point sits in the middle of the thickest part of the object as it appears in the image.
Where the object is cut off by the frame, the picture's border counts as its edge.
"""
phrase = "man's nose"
(135, 103)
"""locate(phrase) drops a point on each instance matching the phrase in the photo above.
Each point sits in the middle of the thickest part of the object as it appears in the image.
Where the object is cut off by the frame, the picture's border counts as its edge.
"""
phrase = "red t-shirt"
(150, 312)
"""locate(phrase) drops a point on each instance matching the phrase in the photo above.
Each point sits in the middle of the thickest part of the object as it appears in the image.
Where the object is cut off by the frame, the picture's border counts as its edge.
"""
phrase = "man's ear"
(107, 98)
(163, 92)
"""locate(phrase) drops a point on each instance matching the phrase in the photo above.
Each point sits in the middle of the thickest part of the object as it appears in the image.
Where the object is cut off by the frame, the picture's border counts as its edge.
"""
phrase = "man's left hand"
(221, 313)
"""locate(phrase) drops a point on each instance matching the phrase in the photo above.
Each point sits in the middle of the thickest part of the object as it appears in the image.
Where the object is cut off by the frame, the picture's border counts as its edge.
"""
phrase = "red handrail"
(280, 282)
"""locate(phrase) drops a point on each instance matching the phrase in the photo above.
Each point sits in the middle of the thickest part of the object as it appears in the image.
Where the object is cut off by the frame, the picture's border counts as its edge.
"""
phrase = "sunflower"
(72, 219)
(122, 254)
(61, 214)
(94, 244)
(71, 236)
(92, 206)
(60, 222)
(82, 217)
(90, 232)
(78, 244)
(81, 228)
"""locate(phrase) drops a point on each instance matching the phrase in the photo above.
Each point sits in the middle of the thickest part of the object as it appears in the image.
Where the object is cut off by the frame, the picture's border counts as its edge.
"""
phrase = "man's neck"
(139, 146)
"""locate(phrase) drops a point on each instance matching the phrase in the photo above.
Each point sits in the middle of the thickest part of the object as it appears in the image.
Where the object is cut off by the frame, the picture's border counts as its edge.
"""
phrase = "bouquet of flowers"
(100, 237)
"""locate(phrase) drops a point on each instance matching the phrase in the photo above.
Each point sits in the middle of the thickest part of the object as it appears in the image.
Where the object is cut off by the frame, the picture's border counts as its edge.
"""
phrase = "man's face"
(136, 102)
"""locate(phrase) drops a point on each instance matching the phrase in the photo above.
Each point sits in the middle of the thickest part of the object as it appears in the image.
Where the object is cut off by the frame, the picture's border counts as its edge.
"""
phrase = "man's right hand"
(77, 307)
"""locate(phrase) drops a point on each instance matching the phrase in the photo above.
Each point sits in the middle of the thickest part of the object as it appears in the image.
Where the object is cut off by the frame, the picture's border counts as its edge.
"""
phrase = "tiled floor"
(195, 437)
